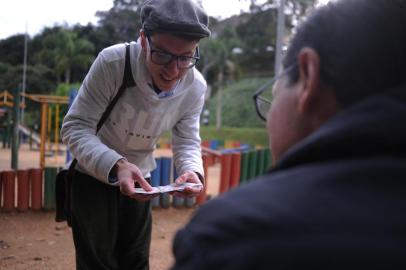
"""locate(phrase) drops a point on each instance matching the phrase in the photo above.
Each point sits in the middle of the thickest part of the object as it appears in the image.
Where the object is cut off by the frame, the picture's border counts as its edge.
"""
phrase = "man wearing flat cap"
(163, 91)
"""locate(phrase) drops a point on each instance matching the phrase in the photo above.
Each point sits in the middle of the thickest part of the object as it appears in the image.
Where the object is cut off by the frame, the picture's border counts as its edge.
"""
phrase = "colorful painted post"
(225, 173)
(72, 95)
(36, 188)
(252, 164)
(44, 113)
(15, 142)
(155, 179)
(190, 202)
(177, 202)
(1, 186)
(214, 144)
(49, 188)
(228, 144)
(23, 190)
(203, 194)
(261, 162)
(244, 167)
(206, 144)
(235, 169)
(165, 180)
(221, 144)
(9, 190)
(268, 161)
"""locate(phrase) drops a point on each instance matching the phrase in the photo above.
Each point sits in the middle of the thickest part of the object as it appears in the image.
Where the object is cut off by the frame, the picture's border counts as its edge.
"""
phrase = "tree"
(122, 22)
(63, 50)
(12, 50)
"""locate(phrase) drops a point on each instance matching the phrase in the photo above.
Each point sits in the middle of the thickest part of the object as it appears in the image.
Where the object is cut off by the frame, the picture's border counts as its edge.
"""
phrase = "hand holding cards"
(168, 188)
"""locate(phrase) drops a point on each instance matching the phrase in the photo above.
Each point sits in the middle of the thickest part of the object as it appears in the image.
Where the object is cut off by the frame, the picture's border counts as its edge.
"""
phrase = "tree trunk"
(67, 75)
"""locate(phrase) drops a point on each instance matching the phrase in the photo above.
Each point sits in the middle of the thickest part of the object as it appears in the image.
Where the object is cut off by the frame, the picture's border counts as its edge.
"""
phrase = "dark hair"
(361, 45)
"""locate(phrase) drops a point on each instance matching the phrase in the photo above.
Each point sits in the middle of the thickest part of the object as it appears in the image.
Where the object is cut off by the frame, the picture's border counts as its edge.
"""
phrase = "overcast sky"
(15, 15)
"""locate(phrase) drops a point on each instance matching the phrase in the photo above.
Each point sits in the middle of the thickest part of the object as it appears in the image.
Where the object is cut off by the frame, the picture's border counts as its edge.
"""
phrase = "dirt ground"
(32, 240)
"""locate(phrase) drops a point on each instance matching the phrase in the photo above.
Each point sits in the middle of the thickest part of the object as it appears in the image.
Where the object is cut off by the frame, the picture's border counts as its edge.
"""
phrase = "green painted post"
(244, 167)
(49, 188)
(253, 164)
(261, 162)
(267, 161)
(16, 123)
(221, 144)
(9, 129)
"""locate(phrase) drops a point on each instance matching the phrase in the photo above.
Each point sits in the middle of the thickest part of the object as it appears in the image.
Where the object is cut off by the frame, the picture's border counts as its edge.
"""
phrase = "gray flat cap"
(178, 17)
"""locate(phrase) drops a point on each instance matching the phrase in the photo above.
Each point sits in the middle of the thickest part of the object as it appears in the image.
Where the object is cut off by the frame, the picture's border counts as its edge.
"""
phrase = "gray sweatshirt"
(138, 119)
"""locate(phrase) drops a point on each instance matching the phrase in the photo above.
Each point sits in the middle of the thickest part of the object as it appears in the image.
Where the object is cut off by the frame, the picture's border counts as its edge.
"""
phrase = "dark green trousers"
(110, 231)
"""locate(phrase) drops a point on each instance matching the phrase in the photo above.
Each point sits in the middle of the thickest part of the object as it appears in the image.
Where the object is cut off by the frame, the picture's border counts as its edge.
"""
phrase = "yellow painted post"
(57, 131)
(44, 112)
(49, 128)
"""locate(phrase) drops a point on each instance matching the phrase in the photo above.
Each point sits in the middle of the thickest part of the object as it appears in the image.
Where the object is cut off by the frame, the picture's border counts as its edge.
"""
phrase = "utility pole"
(279, 36)
(24, 71)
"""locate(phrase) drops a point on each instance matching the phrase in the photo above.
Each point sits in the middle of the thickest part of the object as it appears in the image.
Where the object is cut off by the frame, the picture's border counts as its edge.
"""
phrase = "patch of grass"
(252, 136)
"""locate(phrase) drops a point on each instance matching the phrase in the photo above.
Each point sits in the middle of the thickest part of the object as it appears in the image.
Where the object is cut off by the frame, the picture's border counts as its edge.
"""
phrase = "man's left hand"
(188, 192)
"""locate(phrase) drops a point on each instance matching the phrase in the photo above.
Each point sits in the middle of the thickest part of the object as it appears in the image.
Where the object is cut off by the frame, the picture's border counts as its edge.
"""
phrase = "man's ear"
(309, 78)
(143, 40)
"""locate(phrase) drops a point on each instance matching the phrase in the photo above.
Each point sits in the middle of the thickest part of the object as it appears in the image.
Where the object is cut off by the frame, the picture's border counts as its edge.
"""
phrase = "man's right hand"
(128, 174)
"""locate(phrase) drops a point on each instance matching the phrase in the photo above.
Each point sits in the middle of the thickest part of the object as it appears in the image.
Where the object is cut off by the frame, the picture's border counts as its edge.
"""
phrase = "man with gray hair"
(163, 91)
(336, 196)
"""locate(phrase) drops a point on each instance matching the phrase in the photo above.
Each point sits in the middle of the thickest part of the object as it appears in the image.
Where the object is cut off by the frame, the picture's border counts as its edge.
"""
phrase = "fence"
(35, 188)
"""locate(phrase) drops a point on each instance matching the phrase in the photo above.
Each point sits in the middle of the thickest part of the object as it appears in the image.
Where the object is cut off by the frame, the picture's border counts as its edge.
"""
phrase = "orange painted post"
(23, 190)
(225, 172)
(49, 127)
(206, 143)
(56, 134)
(1, 185)
(9, 190)
(203, 195)
(235, 169)
(36, 189)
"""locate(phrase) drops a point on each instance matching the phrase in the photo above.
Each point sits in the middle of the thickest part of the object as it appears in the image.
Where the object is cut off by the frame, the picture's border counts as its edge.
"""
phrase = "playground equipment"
(46, 117)
(239, 163)
(7, 99)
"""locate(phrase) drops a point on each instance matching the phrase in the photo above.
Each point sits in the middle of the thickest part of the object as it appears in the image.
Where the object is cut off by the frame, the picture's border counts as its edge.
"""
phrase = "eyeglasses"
(162, 58)
(262, 99)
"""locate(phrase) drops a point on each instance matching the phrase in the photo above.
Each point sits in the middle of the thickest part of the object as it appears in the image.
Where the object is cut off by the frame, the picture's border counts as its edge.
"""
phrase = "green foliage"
(63, 89)
(64, 50)
(251, 136)
(238, 109)
(122, 22)
(12, 50)
(40, 78)
(258, 52)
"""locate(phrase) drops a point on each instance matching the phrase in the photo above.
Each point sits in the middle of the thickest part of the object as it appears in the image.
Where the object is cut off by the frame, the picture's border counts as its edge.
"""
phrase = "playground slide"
(29, 132)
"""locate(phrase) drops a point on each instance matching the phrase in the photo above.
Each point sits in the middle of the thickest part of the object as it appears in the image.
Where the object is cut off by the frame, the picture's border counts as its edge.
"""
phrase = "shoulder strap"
(128, 81)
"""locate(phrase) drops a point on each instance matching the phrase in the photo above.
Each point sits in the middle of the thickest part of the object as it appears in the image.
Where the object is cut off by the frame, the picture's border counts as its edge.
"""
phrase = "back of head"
(183, 18)
(361, 45)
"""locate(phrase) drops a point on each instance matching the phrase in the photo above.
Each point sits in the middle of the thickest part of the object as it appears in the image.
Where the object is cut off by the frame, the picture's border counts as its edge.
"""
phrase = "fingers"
(143, 183)
(187, 176)
(127, 186)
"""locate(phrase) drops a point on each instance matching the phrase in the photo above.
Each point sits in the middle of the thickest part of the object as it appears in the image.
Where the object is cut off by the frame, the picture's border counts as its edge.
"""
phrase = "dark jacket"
(336, 200)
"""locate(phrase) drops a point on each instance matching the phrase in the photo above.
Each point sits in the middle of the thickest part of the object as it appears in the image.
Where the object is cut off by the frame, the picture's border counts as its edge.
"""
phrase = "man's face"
(166, 76)
(283, 121)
